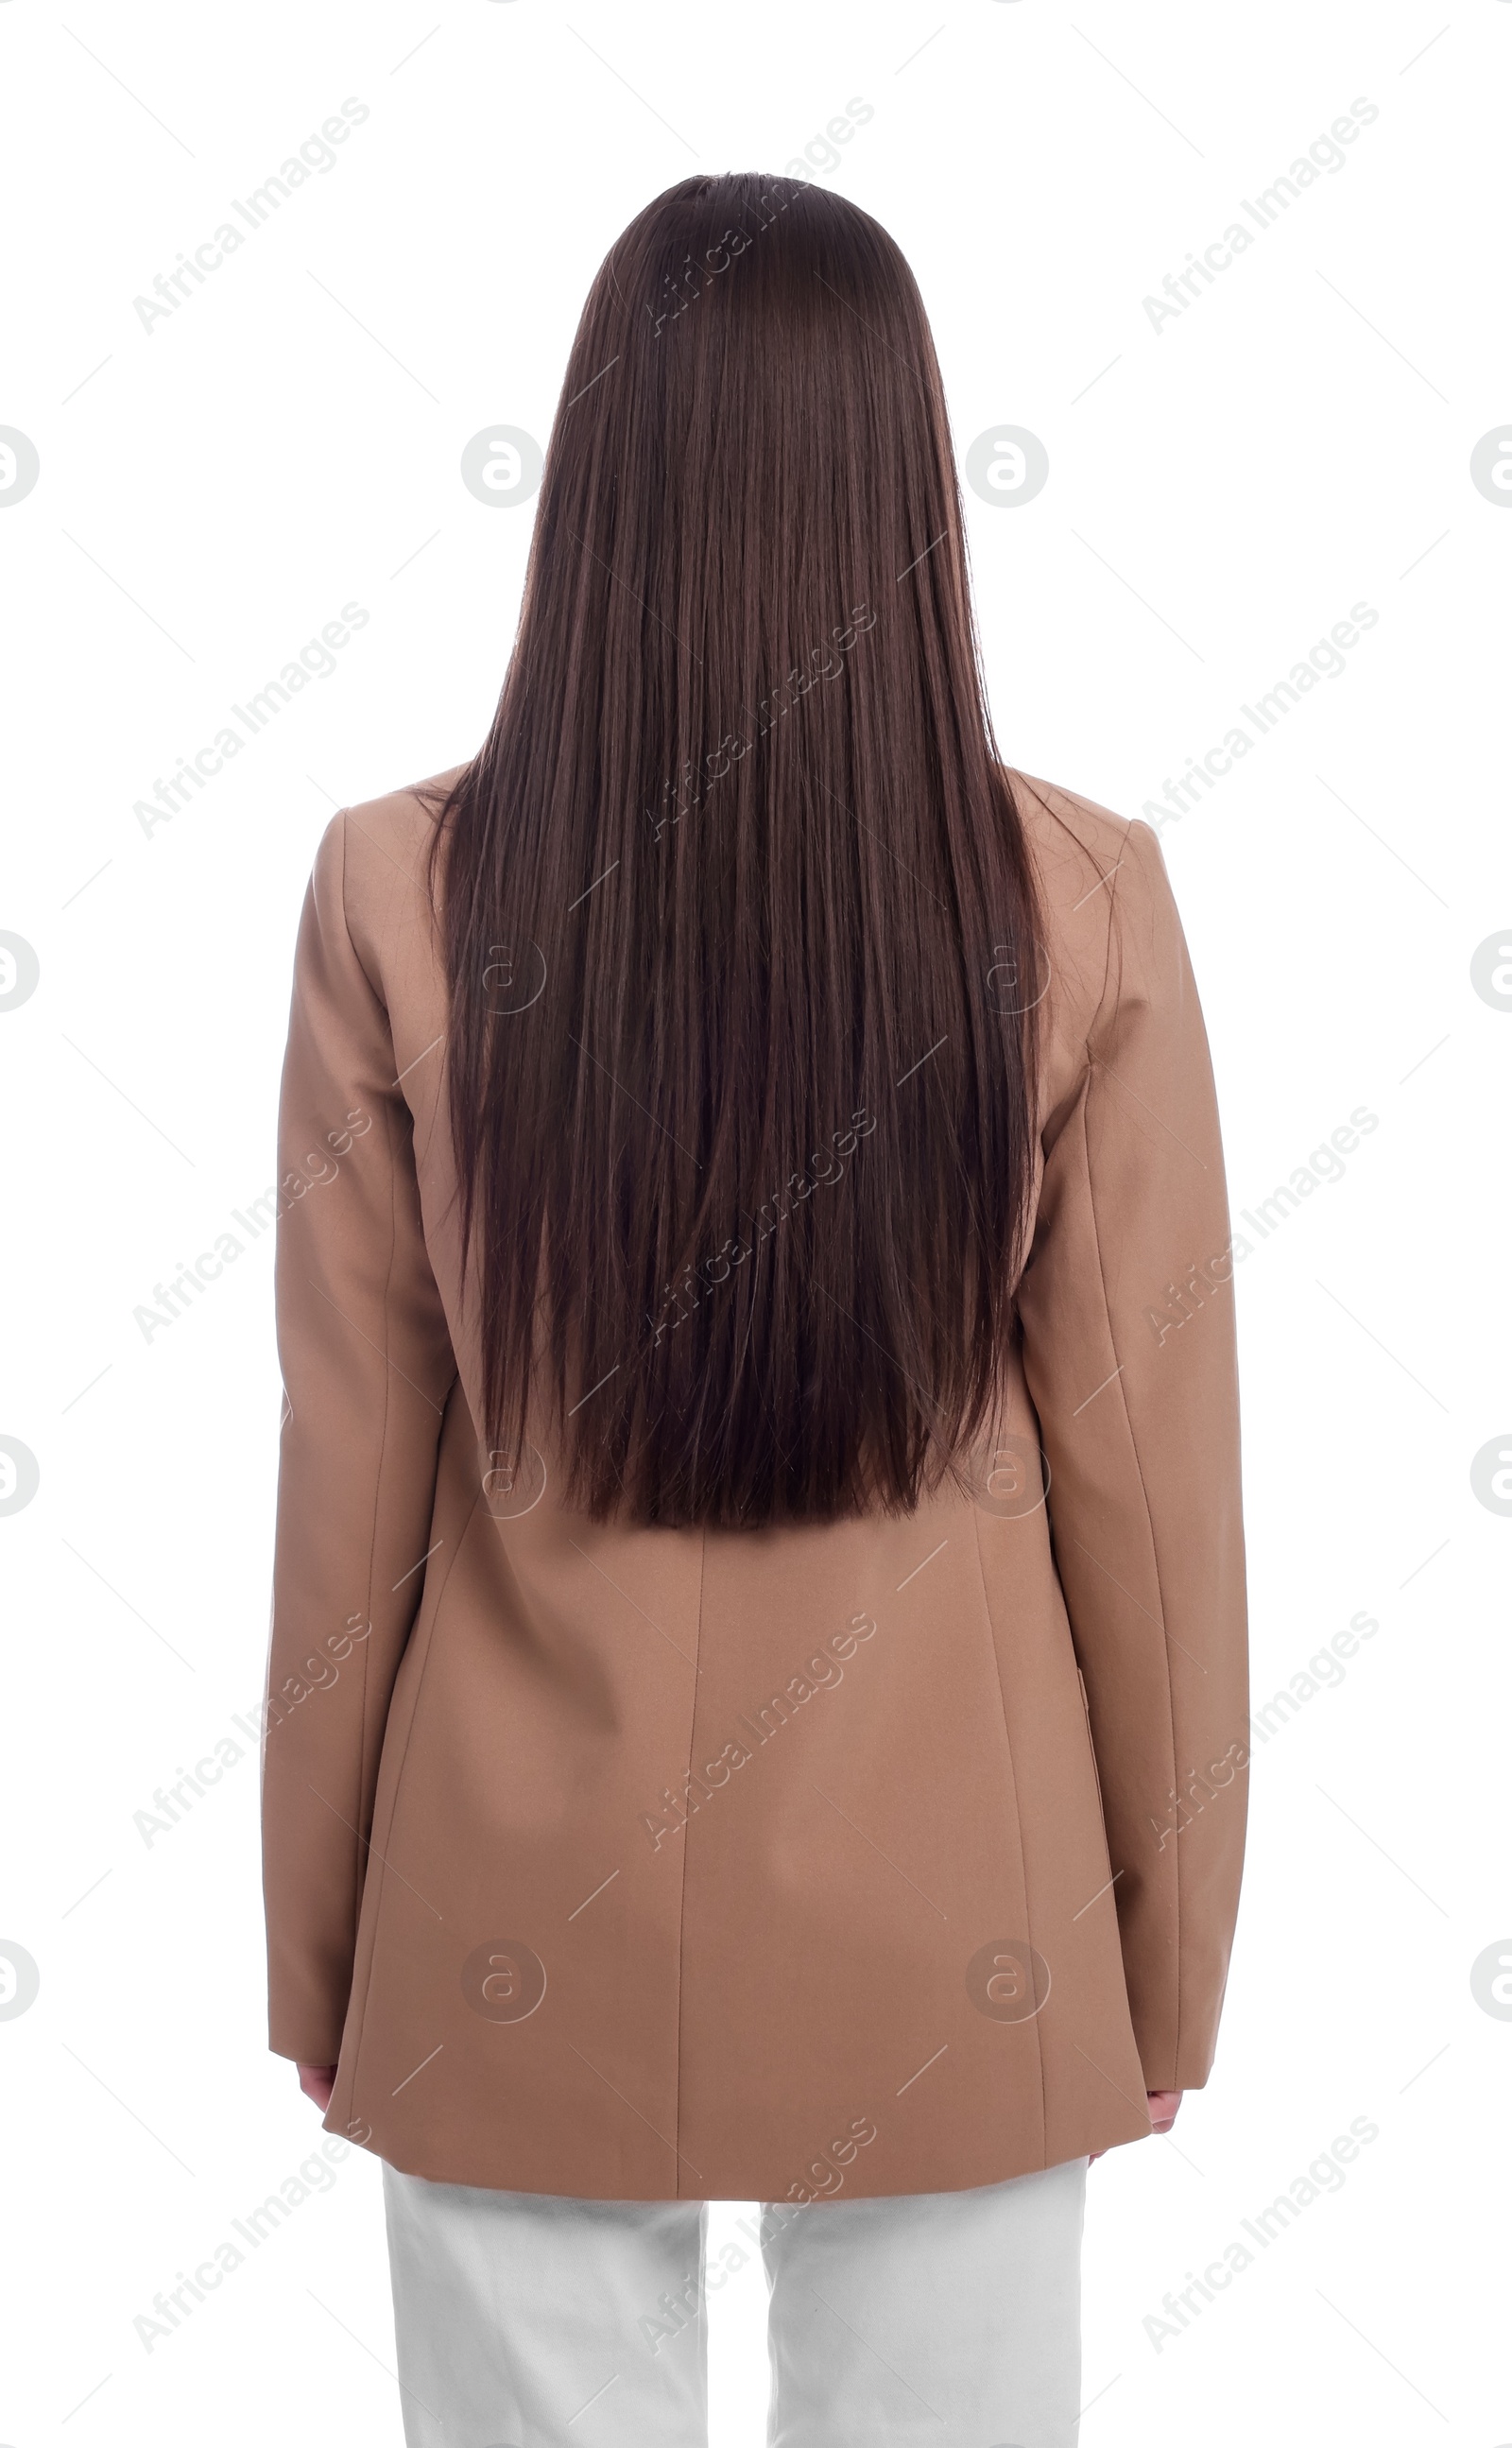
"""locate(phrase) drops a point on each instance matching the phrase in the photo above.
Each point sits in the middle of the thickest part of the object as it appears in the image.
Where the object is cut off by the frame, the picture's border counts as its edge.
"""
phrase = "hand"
(316, 2082)
(1162, 2106)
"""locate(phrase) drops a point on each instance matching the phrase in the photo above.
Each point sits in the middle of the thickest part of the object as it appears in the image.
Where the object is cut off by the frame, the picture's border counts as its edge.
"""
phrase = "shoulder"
(1066, 830)
(385, 841)
(1082, 849)
(370, 865)
(369, 884)
(1100, 876)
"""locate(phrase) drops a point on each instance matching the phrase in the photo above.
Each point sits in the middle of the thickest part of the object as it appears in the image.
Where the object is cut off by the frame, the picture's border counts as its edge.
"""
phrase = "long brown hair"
(738, 916)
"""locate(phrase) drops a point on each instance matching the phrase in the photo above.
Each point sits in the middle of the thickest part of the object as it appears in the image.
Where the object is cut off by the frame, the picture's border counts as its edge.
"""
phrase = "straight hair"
(738, 917)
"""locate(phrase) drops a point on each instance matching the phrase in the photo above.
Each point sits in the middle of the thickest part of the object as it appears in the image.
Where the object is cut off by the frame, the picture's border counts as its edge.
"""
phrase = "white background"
(1221, 492)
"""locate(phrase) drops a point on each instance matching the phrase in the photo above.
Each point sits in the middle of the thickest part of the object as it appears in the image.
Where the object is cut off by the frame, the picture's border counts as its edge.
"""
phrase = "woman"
(761, 1441)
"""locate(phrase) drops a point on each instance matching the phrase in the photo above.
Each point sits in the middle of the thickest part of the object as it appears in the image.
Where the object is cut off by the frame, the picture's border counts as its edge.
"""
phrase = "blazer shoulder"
(1065, 826)
(394, 831)
(381, 847)
(1082, 854)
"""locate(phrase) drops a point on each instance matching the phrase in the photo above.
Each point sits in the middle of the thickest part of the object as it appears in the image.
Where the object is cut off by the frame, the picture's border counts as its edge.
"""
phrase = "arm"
(366, 1367)
(1127, 1309)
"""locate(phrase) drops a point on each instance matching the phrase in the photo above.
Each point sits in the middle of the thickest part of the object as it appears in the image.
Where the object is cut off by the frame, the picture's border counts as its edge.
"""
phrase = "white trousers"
(534, 2320)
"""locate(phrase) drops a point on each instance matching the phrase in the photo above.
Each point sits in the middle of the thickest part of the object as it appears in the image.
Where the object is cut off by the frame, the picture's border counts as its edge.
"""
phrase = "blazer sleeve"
(366, 1364)
(1127, 1313)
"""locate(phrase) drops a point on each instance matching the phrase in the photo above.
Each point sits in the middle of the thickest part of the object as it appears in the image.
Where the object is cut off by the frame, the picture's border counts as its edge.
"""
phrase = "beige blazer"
(885, 1856)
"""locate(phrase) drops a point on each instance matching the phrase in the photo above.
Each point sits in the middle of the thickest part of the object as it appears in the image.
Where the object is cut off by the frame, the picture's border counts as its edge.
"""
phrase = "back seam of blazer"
(1018, 1821)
